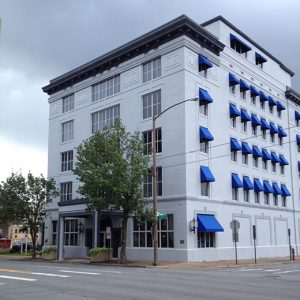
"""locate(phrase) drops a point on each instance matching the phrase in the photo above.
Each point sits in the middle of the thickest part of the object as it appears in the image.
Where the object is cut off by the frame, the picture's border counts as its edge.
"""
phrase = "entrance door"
(116, 241)
(89, 238)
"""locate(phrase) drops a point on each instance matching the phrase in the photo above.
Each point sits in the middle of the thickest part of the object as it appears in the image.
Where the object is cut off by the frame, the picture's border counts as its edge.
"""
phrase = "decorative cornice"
(292, 95)
(222, 19)
(169, 31)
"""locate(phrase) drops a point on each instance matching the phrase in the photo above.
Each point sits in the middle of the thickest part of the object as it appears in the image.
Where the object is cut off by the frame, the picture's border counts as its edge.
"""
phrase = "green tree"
(23, 201)
(111, 167)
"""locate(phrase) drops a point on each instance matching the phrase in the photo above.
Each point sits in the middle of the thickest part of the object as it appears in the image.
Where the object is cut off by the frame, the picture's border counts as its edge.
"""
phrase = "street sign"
(108, 233)
(235, 226)
(254, 232)
(161, 215)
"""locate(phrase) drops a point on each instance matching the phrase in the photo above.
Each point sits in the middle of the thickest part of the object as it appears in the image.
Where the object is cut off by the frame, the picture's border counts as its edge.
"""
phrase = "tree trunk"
(123, 240)
(33, 237)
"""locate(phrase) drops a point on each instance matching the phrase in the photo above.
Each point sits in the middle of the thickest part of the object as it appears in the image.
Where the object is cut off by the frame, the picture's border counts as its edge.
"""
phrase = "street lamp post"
(154, 178)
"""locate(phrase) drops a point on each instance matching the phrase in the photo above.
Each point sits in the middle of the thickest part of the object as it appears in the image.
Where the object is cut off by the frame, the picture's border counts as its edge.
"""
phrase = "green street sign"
(161, 215)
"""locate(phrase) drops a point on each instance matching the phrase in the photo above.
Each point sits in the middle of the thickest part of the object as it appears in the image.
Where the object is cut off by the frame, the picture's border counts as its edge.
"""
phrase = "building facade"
(232, 155)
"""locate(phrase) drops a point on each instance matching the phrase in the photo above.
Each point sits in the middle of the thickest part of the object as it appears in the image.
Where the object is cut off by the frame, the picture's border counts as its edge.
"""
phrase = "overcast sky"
(42, 39)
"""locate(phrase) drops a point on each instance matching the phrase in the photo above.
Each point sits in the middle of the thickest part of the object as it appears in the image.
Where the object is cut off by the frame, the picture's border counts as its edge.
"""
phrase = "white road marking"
(284, 272)
(272, 270)
(79, 272)
(2, 283)
(247, 270)
(49, 274)
(18, 278)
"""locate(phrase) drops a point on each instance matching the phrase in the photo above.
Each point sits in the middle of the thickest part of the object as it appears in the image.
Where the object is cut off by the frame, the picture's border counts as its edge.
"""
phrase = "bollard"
(293, 254)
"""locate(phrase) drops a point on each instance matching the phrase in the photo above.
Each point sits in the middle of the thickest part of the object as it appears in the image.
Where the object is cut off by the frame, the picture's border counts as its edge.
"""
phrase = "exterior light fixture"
(80, 227)
(193, 225)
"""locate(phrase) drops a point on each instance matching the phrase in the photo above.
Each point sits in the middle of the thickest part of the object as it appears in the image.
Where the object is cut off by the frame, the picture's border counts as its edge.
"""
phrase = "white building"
(232, 155)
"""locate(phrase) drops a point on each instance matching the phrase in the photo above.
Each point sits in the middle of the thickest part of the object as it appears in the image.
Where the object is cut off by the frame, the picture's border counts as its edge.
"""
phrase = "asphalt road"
(48, 281)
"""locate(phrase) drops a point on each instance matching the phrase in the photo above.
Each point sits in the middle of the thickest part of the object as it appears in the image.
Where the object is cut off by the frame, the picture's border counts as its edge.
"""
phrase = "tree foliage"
(111, 167)
(23, 201)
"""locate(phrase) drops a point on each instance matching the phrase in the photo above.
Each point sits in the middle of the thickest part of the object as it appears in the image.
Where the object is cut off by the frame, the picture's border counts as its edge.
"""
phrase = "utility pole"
(154, 180)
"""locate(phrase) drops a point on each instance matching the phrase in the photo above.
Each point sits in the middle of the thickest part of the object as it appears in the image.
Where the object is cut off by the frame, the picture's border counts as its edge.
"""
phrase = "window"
(204, 72)
(244, 126)
(279, 113)
(68, 103)
(151, 104)
(204, 147)
(235, 194)
(280, 140)
(264, 134)
(66, 191)
(206, 239)
(297, 122)
(147, 136)
(267, 199)
(232, 89)
(262, 104)
(298, 147)
(105, 118)
(152, 69)
(254, 130)
(272, 137)
(265, 165)
(257, 197)
(243, 94)
(142, 233)
(66, 161)
(71, 232)
(283, 198)
(282, 169)
(148, 183)
(233, 122)
(234, 156)
(204, 109)
(275, 200)
(253, 99)
(16, 230)
(54, 233)
(273, 167)
(271, 109)
(205, 189)
(246, 196)
(255, 161)
(106, 88)
(67, 131)
(245, 158)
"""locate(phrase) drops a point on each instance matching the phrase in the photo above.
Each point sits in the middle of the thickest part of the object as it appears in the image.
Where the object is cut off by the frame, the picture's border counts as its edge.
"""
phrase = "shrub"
(48, 249)
(98, 251)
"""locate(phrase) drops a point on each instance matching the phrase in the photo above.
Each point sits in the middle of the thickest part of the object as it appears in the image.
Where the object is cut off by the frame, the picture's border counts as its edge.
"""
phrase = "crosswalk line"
(17, 278)
(79, 272)
(285, 272)
(2, 283)
(50, 274)
(272, 270)
(249, 270)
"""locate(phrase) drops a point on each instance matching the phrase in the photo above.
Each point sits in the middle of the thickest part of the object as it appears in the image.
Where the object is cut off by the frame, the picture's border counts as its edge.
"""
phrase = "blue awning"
(258, 187)
(206, 175)
(273, 128)
(297, 116)
(285, 191)
(265, 155)
(256, 152)
(236, 181)
(205, 135)
(244, 86)
(272, 101)
(280, 106)
(298, 165)
(234, 112)
(254, 91)
(268, 188)
(274, 158)
(259, 58)
(246, 148)
(204, 97)
(276, 188)
(281, 132)
(233, 80)
(298, 139)
(244, 46)
(264, 124)
(208, 223)
(263, 96)
(234, 145)
(247, 184)
(245, 116)
(282, 160)
(255, 120)
(204, 62)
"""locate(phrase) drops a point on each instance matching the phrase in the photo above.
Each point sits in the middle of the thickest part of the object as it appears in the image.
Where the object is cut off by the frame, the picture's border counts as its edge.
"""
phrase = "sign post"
(254, 240)
(290, 247)
(108, 236)
(235, 226)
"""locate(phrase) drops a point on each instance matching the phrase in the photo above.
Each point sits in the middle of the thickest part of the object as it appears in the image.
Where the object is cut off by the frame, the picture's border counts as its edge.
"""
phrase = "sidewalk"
(168, 265)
